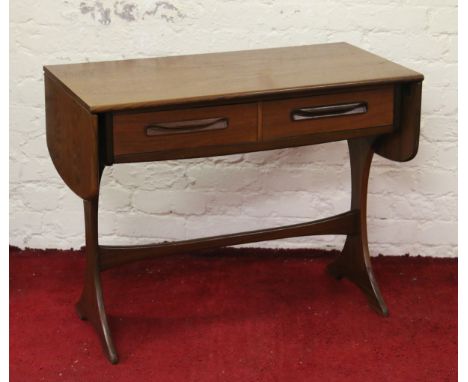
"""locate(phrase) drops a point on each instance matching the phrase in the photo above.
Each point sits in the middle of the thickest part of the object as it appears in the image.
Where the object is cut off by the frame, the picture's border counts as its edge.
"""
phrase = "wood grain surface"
(277, 122)
(141, 83)
(72, 140)
(130, 129)
(402, 145)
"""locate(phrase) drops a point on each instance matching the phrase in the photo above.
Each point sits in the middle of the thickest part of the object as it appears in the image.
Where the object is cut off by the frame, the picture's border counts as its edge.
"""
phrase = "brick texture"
(412, 206)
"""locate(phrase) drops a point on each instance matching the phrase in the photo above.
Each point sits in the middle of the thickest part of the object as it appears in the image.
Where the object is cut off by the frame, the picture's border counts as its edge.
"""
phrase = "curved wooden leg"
(90, 306)
(354, 263)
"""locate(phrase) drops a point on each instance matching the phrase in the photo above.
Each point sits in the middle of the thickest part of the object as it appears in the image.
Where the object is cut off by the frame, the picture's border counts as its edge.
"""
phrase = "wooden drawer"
(141, 132)
(327, 113)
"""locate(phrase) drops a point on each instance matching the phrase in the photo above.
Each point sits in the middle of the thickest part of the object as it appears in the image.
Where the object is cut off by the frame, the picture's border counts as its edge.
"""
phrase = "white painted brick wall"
(412, 206)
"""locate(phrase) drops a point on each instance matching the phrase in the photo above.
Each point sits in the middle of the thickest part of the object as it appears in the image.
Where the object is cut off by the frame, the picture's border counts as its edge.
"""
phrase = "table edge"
(227, 97)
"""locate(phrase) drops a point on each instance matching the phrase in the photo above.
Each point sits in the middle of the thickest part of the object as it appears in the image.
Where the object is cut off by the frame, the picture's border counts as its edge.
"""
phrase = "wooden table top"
(139, 83)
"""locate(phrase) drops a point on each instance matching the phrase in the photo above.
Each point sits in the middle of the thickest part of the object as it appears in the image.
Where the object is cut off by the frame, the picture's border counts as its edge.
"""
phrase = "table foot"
(90, 307)
(354, 264)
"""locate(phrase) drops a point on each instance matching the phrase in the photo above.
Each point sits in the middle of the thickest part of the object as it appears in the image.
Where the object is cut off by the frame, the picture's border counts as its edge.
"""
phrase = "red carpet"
(234, 315)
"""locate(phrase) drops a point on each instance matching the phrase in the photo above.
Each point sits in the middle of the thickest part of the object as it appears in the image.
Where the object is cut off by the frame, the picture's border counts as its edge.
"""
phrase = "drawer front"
(143, 132)
(327, 113)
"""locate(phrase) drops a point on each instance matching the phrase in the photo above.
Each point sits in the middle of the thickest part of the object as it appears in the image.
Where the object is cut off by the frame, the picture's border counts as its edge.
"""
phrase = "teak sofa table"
(102, 113)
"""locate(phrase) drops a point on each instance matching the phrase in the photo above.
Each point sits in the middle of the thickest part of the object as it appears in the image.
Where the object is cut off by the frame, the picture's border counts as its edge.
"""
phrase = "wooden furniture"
(103, 113)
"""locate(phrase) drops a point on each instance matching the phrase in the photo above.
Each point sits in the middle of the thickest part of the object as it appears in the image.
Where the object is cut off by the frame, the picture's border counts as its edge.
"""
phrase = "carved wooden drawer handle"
(329, 111)
(191, 126)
